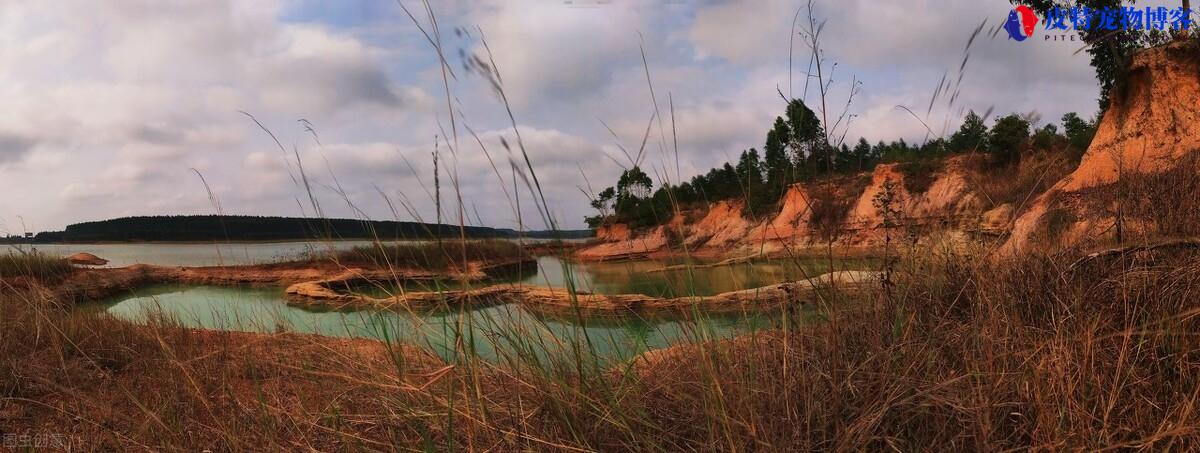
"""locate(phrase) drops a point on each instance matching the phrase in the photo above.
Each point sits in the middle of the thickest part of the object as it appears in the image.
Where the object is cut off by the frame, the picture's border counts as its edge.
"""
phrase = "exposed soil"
(846, 210)
(1149, 128)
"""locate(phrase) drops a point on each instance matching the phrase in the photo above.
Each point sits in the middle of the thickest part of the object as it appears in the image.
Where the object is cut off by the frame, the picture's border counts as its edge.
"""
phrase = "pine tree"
(972, 135)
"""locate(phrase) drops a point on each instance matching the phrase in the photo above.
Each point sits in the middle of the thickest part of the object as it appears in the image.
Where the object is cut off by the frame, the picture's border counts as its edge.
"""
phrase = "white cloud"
(554, 50)
(109, 107)
(743, 31)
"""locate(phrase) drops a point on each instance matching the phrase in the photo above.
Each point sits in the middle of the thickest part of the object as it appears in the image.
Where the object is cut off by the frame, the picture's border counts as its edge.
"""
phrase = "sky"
(142, 107)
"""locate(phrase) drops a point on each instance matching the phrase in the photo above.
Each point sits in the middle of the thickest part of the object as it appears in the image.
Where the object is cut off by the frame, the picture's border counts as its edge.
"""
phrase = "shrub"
(1008, 139)
(919, 175)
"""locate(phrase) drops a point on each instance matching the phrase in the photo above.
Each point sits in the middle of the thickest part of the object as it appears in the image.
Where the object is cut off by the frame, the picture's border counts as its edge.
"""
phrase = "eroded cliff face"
(1151, 127)
(791, 224)
(627, 246)
(722, 227)
(947, 203)
(1137, 179)
(614, 233)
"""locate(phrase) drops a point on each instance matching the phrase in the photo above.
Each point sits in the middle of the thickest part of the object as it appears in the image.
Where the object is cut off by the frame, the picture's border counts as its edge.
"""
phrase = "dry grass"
(32, 264)
(1168, 201)
(103, 384)
(1022, 183)
(831, 202)
(962, 354)
(1024, 355)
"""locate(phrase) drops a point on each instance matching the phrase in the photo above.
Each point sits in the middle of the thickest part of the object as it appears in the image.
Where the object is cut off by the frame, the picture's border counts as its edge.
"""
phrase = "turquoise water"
(497, 333)
(494, 332)
(644, 277)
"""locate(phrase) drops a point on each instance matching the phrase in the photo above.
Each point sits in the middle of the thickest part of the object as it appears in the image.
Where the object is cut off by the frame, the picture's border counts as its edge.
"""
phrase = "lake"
(494, 332)
(648, 276)
(204, 254)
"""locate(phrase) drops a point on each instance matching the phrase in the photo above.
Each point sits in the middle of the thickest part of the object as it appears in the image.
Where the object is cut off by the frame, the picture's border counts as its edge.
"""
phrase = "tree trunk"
(1187, 10)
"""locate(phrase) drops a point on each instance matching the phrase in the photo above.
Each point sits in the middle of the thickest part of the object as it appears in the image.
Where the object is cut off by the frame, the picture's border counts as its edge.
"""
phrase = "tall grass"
(33, 264)
(962, 354)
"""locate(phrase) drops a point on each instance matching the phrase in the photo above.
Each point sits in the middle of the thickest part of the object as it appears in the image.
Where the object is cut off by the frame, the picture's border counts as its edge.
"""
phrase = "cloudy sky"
(116, 108)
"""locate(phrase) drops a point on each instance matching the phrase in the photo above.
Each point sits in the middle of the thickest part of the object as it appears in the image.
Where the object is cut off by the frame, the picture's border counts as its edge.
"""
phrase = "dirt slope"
(948, 201)
(791, 224)
(1149, 128)
(723, 227)
(1137, 179)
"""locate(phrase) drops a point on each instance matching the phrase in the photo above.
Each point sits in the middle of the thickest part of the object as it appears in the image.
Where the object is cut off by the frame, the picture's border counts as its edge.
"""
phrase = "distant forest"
(252, 228)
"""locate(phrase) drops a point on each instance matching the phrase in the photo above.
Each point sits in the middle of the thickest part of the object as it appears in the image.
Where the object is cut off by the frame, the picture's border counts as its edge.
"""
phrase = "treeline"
(796, 150)
(252, 228)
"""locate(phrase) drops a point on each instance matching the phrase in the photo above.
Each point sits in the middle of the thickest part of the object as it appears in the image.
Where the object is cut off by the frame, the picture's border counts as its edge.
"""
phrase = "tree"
(972, 135)
(844, 160)
(633, 189)
(749, 170)
(1187, 6)
(633, 184)
(1009, 136)
(779, 168)
(603, 201)
(1079, 132)
(862, 154)
(1047, 138)
(806, 136)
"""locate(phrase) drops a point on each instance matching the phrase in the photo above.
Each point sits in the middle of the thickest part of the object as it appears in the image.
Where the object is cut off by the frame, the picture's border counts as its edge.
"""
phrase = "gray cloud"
(127, 98)
(14, 146)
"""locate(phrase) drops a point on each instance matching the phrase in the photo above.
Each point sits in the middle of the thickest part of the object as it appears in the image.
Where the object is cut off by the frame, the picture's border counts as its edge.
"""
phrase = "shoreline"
(317, 286)
(292, 241)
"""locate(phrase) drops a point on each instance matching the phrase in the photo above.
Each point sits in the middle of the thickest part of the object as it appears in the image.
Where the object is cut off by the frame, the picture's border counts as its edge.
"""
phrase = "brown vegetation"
(1018, 184)
(1149, 129)
(34, 265)
(961, 354)
(919, 175)
(82, 381)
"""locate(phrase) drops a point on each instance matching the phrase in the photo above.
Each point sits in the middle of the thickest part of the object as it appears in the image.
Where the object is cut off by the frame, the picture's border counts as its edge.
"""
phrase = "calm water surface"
(206, 253)
(494, 332)
(647, 277)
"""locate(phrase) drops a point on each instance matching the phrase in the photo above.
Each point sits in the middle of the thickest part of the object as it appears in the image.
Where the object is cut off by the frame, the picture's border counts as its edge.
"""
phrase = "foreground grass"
(32, 264)
(962, 353)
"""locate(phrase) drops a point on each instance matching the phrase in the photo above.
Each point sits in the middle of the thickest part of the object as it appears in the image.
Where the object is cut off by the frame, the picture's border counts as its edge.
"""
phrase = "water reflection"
(641, 277)
(500, 332)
